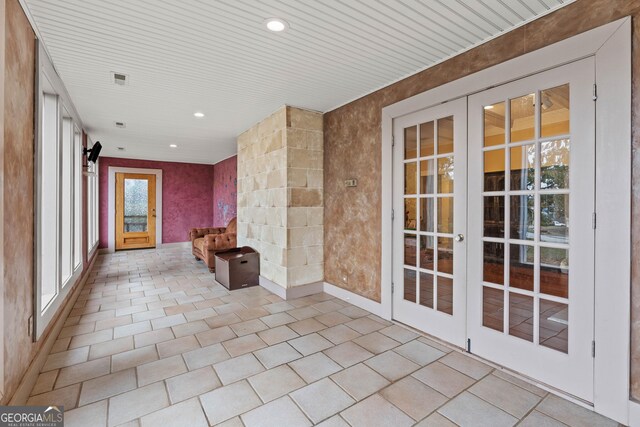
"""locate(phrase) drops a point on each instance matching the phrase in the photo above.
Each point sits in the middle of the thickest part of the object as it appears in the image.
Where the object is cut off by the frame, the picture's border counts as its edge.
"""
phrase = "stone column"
(304, 256)
(280, 195)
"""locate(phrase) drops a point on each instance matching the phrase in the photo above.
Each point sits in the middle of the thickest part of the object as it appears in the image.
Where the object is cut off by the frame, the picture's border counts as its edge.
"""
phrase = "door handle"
(459, 238)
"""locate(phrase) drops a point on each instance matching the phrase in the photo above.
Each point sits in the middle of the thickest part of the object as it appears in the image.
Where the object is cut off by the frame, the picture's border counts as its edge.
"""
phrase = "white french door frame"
(610, 45)
(449, 327)
(569, 371)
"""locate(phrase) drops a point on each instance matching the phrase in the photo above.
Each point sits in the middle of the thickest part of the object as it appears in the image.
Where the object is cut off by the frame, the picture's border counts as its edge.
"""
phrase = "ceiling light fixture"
(173, 146)
(276, 25)
(199, 114)
(488, 107)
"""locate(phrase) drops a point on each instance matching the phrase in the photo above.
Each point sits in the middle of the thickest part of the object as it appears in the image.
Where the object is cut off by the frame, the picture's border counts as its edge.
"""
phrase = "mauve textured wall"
(225, 191)
(187, 196)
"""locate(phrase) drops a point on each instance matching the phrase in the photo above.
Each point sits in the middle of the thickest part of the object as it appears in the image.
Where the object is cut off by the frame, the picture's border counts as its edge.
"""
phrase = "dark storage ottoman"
(237, 268)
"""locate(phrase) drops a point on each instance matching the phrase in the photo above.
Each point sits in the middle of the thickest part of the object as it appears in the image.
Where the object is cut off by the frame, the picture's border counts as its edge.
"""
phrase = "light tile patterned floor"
(154, 340)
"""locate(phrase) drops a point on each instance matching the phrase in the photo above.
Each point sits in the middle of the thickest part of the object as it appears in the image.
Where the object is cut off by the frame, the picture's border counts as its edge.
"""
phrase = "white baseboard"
(357, 300)
(30, 377)
(293, 292)
(317, 287)
(304, 290)
(272, 287)
(634, 414)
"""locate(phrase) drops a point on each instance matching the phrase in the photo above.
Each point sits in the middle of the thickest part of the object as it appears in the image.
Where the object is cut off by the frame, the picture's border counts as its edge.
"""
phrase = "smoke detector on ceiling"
(120, 78)
(120, 125)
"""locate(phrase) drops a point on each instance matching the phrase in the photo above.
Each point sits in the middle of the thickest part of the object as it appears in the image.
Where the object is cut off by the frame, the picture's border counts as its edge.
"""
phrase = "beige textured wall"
(280, 205)
(353, 145)
(18, 193)
(17, 175)
(353, 138)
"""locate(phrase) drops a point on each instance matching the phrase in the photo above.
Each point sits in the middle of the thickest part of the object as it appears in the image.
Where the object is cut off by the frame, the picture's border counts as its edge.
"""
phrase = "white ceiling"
(217, 57)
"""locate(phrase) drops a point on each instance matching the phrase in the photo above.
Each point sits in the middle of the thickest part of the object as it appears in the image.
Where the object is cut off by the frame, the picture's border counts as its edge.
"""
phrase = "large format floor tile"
(322, 399)
(467, 409)
(153, 339)
(281, 412)
(376, 411)
(276, 383)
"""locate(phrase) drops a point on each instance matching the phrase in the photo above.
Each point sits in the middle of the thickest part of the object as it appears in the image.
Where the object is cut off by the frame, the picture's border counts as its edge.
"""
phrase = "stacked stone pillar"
(280, 195)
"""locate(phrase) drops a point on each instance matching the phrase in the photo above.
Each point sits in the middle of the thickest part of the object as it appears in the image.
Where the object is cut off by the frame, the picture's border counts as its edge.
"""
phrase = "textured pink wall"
(187, 196)
(225, 191)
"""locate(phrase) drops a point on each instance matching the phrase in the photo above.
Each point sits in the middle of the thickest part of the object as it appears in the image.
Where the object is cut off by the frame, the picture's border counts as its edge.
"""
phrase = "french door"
(531, 237)
(135, 211)
(518, 289)
(430, 220)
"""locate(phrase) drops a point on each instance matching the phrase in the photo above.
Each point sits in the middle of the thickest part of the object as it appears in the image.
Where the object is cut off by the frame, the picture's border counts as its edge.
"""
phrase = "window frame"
(93, 188)
(48, 81)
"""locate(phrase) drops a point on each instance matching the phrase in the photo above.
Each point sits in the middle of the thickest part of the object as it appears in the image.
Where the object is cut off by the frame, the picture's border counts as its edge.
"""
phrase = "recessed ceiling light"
(199, 114)
(276, 25)
(488, 107)
(173, 146)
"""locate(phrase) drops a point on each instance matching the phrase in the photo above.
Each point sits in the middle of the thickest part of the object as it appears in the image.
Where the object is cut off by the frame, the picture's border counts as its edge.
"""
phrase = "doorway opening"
(135, 211)
(495, 254)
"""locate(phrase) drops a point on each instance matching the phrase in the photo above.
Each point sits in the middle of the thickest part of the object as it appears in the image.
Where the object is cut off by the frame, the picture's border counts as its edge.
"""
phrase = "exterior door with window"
(429, 202)
(531, 237)
(135, 211)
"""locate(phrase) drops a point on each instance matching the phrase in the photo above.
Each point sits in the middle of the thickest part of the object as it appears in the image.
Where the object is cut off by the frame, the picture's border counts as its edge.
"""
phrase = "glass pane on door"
(136, 205)
(526, 234)
(429, 177)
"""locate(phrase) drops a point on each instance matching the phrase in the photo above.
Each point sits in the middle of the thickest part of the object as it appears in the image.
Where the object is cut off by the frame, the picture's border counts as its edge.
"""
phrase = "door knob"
(459, 238)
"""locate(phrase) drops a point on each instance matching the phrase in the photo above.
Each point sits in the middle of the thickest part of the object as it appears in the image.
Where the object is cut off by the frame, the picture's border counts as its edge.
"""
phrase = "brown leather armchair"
(205, 242)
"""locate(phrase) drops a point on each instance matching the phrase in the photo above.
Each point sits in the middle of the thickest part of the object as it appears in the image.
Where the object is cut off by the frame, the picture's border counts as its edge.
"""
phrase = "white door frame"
(611, 46)
(111, 197)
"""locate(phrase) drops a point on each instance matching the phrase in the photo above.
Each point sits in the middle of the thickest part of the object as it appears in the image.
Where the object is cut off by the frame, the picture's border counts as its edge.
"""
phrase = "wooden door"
(135, 211)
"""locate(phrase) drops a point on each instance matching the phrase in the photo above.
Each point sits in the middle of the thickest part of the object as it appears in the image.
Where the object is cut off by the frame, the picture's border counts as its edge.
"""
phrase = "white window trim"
(41, 319)
(611, 46)
(111, 196)
(92, 247)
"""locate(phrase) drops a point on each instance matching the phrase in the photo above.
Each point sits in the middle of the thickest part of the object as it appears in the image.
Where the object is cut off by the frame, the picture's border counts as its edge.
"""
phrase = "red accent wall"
(225, 191)
(187, 196)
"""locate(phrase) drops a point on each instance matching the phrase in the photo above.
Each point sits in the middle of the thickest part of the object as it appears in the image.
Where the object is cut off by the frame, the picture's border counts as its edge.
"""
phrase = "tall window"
(77, 199)
(48, 224)
(59, 196)
(92, 205)
(66, 197)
